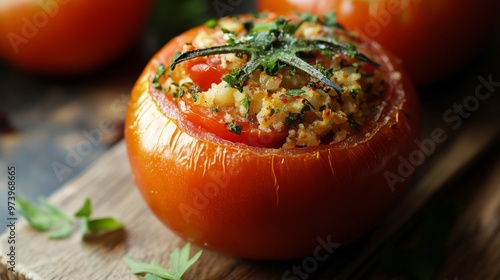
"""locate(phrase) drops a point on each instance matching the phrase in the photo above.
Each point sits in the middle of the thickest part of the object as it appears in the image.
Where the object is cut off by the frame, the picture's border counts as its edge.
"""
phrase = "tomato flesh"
(249, 134)
(204, 72)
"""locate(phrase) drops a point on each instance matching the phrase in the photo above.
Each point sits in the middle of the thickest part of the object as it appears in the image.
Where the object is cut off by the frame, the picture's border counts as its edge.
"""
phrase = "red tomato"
(68, 36)
(267, 203)
(433, 39)
(204, 72)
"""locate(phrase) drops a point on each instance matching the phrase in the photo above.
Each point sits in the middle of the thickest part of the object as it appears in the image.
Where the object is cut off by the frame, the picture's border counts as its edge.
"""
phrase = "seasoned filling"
(276, 97)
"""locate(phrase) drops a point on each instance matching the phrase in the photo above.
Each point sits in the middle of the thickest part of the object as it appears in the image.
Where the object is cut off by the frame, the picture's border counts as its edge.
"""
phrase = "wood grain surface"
(109, 184)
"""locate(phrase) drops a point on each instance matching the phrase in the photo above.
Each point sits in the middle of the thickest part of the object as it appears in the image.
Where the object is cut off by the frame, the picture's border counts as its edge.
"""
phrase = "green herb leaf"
(46, 217)
(180, 262)
(246, 103)
(95, 226)
(64, 230)
(86, 209)
(351, 50)
(355, 92)
(230, 80)
(294, 92)
(276, 111)
(59, 225)
(330, 19)
(327, 73)
(294, 118)
(103, 224)
(328, 54)
(271, 67)
(231, 36)
(160, 71)
(152, 277)
(234, 128)
(271, 46)
(212, 23)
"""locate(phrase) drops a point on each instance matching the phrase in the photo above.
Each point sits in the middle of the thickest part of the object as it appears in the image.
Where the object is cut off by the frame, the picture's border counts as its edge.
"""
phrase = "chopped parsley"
(276, 111)
(327, 73)
(231, 78)
(294, 118)
(246, 103)
(234, 128)
(272, 66)
(355, 92)
(330, 19)
(294, 92)
(231, 36)
(351, 50)
(160, 71)
(211, 23)
(328, 54)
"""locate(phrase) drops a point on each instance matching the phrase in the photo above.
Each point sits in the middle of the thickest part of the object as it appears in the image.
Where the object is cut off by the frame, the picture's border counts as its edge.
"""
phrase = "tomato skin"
(433, 39)
(68, 37)
(264, 203)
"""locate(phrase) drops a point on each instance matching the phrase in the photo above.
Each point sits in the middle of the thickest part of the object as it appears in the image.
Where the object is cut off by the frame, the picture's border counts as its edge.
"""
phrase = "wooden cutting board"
(110, 186)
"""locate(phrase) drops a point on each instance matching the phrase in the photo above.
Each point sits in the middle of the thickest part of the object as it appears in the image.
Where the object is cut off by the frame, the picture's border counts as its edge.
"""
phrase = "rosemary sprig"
(274, 43)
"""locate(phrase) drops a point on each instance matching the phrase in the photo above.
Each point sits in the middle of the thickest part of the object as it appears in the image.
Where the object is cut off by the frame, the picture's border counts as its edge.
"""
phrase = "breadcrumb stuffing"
(311, 113)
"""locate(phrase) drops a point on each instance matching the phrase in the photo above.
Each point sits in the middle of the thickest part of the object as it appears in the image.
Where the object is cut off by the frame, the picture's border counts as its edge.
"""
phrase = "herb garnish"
(47, 217)
(294, 118)
(246, 103)
(294, 92)
(180, 262)
(271, 46)
(160, 71)
(355, 92)
(234, 128)
(211, 23)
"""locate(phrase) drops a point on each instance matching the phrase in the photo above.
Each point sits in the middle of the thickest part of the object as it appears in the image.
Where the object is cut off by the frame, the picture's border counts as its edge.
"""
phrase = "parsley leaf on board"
(46, 217)
(58, 224)
(95, 226)
(179, 264)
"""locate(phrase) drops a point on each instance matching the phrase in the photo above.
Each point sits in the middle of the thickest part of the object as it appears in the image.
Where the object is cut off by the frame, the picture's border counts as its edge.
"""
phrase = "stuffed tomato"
(259, 136)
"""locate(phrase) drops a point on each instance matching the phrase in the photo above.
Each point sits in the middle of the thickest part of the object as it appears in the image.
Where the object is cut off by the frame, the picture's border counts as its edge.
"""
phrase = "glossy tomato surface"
(267, 203)
(433, 39)
(65, 37)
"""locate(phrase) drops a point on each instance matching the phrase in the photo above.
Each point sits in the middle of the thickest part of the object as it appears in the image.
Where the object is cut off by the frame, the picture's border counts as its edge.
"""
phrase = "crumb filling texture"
(290, 102)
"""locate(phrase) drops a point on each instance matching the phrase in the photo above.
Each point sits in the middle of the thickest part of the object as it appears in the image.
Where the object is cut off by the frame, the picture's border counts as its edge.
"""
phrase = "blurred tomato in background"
(67, 37)
(432, 38)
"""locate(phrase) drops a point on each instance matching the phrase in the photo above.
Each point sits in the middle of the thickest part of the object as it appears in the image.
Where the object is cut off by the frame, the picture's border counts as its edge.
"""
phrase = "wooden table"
(452, 207)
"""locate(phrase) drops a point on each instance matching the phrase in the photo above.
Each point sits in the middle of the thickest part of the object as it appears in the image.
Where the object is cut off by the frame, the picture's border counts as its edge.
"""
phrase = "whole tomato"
(225, 193)
(65, 37)
(429, 37)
